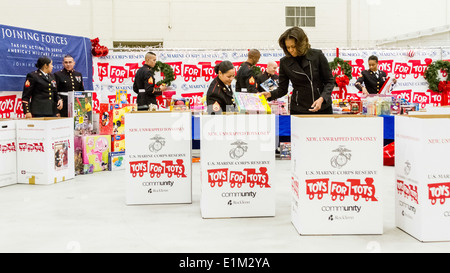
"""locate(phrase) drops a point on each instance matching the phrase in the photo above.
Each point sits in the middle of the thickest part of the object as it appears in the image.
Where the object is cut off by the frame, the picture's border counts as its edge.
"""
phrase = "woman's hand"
(28, 115)
(59, 105)
(316, 105)
(266, 94)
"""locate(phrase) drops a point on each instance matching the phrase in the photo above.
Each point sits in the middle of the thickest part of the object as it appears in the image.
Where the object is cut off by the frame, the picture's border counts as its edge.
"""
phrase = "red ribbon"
(342, 82)
(444, 87)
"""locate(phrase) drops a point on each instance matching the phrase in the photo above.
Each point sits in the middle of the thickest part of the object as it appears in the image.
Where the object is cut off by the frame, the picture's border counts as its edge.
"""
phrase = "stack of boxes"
(101, 149)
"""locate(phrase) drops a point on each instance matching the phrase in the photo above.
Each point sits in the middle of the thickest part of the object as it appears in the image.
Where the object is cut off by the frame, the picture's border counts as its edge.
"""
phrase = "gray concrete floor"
(89, 214)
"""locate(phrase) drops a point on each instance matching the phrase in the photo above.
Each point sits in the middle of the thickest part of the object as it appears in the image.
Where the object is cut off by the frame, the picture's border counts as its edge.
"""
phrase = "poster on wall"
(20, 49)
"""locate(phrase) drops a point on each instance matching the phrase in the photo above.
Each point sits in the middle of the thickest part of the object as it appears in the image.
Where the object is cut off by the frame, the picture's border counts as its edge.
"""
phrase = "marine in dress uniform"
(246, 78)
(40, 94)
(372, 80)
(144, 85)
(68, 81)
(219, 96)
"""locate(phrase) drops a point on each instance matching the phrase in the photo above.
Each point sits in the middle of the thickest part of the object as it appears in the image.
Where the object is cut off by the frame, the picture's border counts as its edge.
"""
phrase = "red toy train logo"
(321, 187)
(238, 178)
(168, 167)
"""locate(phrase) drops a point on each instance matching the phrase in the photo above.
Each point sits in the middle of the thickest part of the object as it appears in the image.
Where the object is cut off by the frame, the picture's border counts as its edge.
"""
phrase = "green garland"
(431, 75)
(167, 71)
(256, 70)
(345, 67)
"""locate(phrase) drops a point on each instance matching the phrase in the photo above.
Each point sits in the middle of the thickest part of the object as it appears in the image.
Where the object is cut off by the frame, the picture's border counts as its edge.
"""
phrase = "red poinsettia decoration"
(97, 49)
(444, 87)
(342, 81)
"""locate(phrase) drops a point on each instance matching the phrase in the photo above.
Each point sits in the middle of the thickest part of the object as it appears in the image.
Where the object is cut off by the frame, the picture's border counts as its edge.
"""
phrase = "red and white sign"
(8, 151)
(336, 169)
(158, 158)
(422, 153)
(11, 105)
(237, 165)
(45, 153)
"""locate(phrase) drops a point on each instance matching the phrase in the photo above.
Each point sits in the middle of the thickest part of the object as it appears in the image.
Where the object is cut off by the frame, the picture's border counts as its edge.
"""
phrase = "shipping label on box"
(336, 166)
(8, 150)
(422, 153)
(96, 150)
(80, 107)
(237, 165)
(45, 152)
(158, 160)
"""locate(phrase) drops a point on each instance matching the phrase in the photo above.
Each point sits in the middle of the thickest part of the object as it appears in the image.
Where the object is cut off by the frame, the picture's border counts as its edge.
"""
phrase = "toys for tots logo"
(340, 190)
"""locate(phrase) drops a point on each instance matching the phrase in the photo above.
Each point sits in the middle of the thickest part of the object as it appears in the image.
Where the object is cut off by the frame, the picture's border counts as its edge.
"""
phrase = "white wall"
(225, 24)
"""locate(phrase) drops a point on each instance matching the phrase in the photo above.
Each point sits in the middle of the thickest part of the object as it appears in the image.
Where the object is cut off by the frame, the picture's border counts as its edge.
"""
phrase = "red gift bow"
(444, 87)
(342, 82)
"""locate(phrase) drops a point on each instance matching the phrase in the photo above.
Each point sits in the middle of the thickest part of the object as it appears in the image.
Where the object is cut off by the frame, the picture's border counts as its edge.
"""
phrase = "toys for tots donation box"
(45, 152)
(336, 165)
(8, 148)
(422, 171)
(237, 164)
(158, 161)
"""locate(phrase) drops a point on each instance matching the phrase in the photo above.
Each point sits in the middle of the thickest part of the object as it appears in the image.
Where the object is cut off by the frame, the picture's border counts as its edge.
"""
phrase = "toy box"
(112, 117)
(117, 143)
(422, 172)
(95, 149)
(251, 103)
(45, 152)
(121, 96)
(80, 108)
(116, 161)
(8, 148)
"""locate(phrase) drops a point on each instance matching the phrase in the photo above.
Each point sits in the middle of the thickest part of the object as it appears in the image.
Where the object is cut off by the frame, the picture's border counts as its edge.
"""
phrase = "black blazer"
(40, 95)
(219, 94)
(370, 80)
(311, 78)
(69, 81)
(246, 78)
(145, 80)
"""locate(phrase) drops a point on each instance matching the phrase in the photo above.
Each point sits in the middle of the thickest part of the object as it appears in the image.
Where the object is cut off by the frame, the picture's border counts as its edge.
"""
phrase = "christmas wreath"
(432, 72)
(342, 80)
(346, 68)
(431, 75)
(167, 71)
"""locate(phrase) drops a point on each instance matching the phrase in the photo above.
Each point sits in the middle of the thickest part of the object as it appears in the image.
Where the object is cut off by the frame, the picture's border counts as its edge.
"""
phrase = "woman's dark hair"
(43, 61)
(223, 67)
(301, 40)
(373, 58)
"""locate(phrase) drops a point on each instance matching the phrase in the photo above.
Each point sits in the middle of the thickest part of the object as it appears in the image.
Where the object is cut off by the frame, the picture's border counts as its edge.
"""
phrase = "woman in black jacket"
(40, 94)
(220, 96)
(309, 72)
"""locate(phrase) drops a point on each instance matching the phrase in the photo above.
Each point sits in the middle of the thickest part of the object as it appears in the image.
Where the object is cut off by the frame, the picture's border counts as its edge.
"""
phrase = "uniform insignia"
(78, 78)
(27, 83)
(150, 80)
(216, 107)
(54, 83)
(251, 81)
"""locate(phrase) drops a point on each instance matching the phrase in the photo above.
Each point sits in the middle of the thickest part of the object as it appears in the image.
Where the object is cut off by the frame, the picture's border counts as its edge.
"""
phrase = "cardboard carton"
(8, 148)
(45, 153)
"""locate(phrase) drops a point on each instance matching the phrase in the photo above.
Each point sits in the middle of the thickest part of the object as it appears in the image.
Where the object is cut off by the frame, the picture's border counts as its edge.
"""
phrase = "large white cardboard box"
(336, 165)
(45, 153)
(422, 171)
(8, 147)
(158, 161)
(237, 158)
